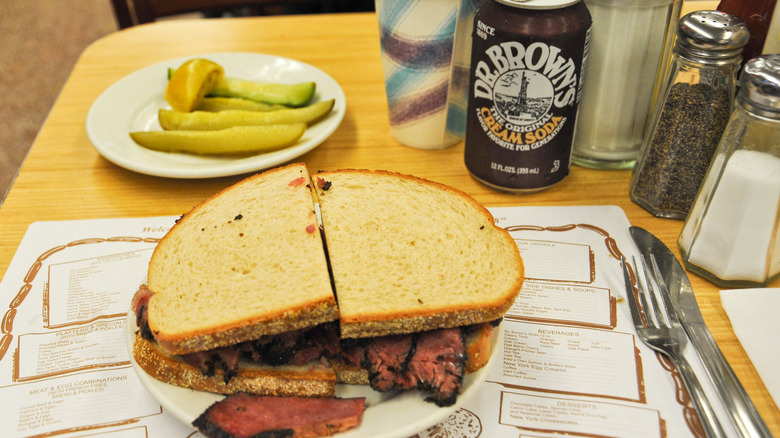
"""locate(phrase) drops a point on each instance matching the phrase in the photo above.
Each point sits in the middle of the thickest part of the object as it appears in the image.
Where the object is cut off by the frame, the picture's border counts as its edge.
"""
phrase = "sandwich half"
(244, 268)
(409, 254)
(402, 292)
(420, 271)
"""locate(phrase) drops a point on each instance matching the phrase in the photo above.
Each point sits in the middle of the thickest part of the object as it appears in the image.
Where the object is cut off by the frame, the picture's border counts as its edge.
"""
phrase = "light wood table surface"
(65, 178)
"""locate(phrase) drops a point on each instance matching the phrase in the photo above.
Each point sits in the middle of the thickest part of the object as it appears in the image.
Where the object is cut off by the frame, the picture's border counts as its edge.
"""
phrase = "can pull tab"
(539, 4)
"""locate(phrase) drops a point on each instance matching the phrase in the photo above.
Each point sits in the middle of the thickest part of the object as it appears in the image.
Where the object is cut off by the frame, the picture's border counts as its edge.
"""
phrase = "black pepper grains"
(682, 145)
(690, 117)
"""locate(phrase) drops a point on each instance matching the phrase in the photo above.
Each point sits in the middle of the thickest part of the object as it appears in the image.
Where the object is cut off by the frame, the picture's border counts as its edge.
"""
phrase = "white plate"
(387, 415)
(131, 104)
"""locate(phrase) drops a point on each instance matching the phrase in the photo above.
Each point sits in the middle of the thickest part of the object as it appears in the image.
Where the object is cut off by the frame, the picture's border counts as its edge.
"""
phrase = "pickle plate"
(132, 103)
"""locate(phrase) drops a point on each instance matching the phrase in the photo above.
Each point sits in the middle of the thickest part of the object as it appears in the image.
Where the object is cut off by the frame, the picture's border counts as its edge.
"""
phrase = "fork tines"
(662, 314)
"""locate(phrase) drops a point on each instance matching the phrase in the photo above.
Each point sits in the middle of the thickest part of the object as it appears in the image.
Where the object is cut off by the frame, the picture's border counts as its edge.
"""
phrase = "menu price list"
(70, 403)
(537, 412)
(67, 367)
(53, 353)
(570, 360)
(571, 364)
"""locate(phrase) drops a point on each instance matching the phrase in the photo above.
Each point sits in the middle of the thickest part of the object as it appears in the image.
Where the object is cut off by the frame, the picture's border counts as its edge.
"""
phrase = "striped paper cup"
(426, 48)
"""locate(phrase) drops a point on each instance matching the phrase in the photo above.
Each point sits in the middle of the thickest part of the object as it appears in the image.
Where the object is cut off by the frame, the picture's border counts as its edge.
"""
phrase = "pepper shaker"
(732, 236)
(691, 113)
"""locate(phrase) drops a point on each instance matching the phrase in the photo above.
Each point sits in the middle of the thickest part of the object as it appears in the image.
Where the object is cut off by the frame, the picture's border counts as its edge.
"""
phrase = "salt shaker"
(691, 113)
(732, 236)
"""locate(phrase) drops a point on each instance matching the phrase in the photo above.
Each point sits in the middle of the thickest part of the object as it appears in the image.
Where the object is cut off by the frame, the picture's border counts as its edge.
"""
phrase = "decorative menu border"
(611, 246)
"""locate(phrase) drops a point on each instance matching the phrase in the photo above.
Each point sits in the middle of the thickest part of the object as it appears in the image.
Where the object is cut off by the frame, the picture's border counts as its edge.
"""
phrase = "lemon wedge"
(191, 82)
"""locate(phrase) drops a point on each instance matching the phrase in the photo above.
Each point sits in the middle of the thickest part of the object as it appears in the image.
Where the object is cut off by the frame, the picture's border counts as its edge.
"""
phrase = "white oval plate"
(387, 415)
(131, 104)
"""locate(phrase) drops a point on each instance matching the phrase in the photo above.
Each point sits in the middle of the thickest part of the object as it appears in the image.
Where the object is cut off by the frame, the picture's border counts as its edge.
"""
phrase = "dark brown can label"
(524, 91)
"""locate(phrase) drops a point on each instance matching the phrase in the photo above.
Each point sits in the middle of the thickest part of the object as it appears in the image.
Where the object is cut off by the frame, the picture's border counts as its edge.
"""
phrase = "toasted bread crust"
(318, 381)
(271, 324)
(350, 374)
(455, 317)
(479, 347)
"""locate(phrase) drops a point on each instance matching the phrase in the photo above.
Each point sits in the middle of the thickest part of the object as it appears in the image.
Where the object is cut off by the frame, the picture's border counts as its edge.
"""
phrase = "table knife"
(743, 413)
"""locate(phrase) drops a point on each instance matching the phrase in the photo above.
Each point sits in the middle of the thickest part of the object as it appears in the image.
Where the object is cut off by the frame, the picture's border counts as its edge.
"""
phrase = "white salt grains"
(736, 236)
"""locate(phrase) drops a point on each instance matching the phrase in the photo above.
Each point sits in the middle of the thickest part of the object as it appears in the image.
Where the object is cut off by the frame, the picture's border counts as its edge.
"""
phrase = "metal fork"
(661, 330)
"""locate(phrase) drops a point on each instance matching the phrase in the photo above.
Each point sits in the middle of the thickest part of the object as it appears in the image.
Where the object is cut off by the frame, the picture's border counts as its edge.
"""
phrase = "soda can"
(527, 66)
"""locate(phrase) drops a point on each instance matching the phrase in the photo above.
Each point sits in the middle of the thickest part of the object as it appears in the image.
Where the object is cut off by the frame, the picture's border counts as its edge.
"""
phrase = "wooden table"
(65, 178)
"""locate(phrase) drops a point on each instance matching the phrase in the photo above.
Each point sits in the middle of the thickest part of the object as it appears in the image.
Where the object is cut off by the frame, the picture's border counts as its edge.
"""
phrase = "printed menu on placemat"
(570, 362)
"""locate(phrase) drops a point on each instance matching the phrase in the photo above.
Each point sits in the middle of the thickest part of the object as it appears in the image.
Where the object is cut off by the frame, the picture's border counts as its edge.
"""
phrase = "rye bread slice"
(247, 262)
(409, 255)
(309, 380)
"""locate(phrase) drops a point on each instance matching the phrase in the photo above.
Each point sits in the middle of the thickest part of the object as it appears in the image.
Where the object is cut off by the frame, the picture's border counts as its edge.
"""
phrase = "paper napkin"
(754, 316)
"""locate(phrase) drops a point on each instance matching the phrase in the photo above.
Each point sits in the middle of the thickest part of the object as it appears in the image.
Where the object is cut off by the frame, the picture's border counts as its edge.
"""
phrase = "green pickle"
(238, 140)
(204, 120)
(294, 95)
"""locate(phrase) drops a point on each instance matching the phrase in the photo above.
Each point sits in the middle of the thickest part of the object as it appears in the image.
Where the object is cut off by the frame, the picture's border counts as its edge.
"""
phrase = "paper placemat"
(570, 362)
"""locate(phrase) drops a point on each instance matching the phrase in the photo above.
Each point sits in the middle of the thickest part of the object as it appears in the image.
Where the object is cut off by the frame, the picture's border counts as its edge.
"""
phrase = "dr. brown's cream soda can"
(527, 64)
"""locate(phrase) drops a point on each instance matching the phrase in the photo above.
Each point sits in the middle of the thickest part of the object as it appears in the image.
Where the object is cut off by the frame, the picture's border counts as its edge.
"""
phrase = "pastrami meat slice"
(432, 361)
(244, 415)
(139, 305)
(439, 364)
(297, 347)
(385, 359)
(320, 341)
(226, 358)
(279, 349)
(203, 360)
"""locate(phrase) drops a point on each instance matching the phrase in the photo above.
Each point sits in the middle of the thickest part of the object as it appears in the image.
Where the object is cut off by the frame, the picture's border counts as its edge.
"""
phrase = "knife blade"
(743, 413)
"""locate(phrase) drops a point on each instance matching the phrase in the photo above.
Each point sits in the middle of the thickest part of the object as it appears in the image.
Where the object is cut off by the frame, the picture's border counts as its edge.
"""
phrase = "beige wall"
(693, 5)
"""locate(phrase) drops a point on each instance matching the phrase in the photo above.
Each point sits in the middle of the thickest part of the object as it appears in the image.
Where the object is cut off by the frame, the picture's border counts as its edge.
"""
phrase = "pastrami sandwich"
(245, 295)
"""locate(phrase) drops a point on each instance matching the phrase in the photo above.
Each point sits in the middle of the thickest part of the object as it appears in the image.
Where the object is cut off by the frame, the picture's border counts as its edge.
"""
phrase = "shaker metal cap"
(538, 4)
(760, 86)
(711, 35)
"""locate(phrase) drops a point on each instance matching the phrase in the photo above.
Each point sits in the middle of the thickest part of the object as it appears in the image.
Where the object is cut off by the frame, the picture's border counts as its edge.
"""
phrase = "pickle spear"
(203, 120)
(215, 104)
(294, 95)
(238, 140)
